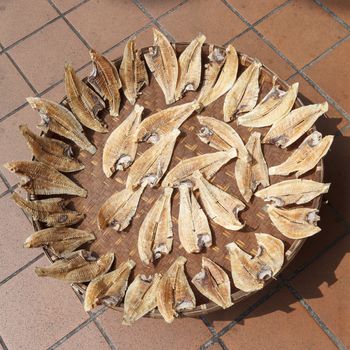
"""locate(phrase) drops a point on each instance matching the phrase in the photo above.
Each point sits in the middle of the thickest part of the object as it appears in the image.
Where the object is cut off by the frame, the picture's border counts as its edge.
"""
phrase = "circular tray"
(124, 244)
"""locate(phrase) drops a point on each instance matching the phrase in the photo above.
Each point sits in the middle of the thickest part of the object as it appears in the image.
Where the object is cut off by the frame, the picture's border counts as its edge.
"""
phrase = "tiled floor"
(301, 40)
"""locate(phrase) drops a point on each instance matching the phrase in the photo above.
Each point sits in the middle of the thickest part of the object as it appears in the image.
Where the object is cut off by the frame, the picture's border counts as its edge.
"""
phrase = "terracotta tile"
(65, 5)
(13, 87)
(250, 44)
(158, 7)
(281, 323)
(15, 22)
(296, 31)
(154, 334)
(3, 187)
(308, 94)
(254, 10)
(211, 17)
(323, 73)
(331, 275)
(108, 22)
(42, 56)
(87, 338)
(15, 228)
(340, 8)
(37, 312)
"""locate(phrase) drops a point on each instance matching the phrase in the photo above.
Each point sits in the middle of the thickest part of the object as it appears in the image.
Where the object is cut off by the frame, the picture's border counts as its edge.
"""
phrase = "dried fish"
(220, 136)
(78, 268)
(190, 67)
(42, 179)
(213, 282)
(174, 292)
(306, 156)
(250, 273)
(287, 130)
(244, 94)
(272, 108)
(119, 209)
(220, 75)
(52, 211)
(50, 151)
(140, 298)
(161, 123)
(162, 62)
(61, 240)
(133, 73)
(153, 163)
(156, 231)
(120, 148)
(294, 223)
(298, 191)
(208, 164)
(109, 288)
(105, 80)
(60, 121)
(220, 206)
(193, 226)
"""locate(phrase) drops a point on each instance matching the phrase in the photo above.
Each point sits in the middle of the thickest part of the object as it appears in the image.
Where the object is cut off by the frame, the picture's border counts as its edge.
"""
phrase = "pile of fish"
(200, 200)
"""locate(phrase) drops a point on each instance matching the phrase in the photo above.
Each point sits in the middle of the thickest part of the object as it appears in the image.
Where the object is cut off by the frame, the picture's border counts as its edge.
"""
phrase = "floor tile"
(105, 23)
(15, 22)
(42, 56)
(3, 187)
(89, 338)
(210, 17)
(13, 87)
(340, 8)
(154, 334)
(158, 7)
(250, 44)
(323, 73)
(281, 323)
(254, 10)
(65, 5)
(293, 32)
(15, 228)
(331, 273)
(37, 312)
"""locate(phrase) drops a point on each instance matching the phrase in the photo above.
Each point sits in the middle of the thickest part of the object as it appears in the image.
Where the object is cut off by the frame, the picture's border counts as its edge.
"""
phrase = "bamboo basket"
(124, 244)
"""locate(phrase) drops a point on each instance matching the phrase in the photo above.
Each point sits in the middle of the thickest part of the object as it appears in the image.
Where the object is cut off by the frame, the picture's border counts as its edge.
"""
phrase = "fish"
(150, 167)
(140, 298)
(193, 226)
(295, 223)
(119, 209)
(161, 123)
(156, 232)
(220, 206)
(41, 179)
(83, 101)
(208, 164)
(286, 131)
(244, 94)
(296, 191)
(250, 273)
(61, 121)
(213, 282)
(120, 149)
(273, 107)
(132, 71)
(51, 152)
(174, 293)
(78, 268)
(109, 288)
(104, 78)
(190, 67)
(162, 62)
(51, 211)
(60, 240)
(305, 157)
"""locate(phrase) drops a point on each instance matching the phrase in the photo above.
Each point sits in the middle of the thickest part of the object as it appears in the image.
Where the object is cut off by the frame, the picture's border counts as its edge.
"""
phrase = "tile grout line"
(5, 181)
(213, 332)
(3, 345)
(337, 342)
(172, 10)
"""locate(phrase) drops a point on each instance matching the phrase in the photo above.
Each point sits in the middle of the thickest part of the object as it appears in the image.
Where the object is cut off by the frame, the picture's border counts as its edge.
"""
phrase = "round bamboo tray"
(124, 244)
